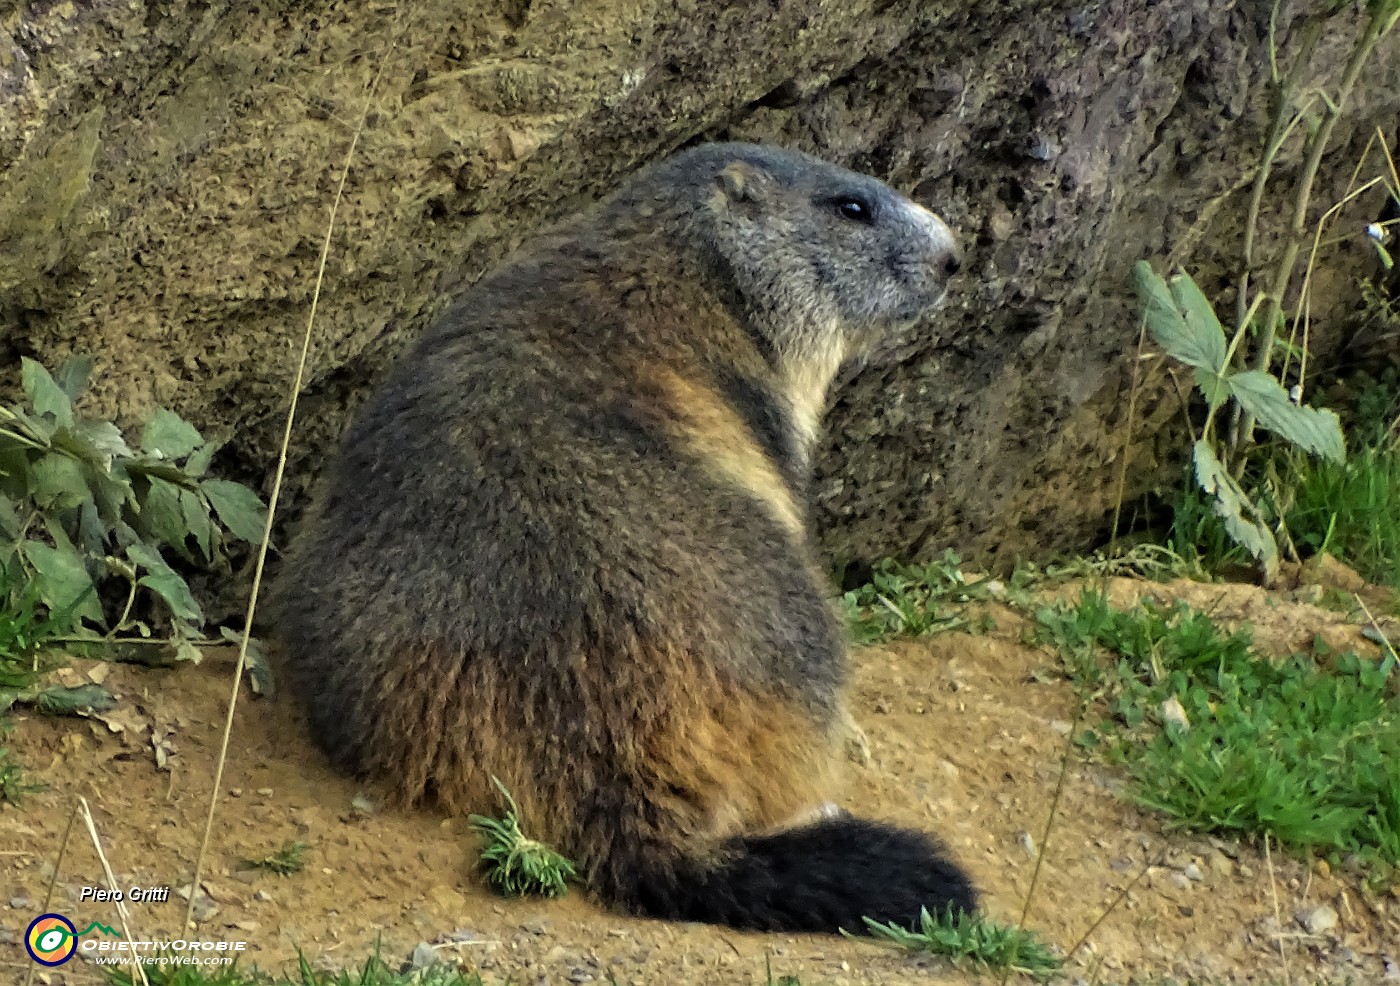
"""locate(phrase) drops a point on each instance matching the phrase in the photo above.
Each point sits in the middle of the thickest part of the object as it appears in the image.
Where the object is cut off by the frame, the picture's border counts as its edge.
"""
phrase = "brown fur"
(565, 545)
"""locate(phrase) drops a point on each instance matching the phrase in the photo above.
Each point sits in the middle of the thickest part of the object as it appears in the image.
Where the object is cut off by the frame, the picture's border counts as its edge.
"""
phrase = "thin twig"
(1127, 436)
(1385, 640)
(1065, 759)
(1278, 914)
(53, 878)
(112, 886)
(275, 495)
(1113, 905)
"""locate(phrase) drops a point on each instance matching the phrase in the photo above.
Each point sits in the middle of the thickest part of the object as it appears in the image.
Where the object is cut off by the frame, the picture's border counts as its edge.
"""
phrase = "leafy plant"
(1185, 325)
(81, 511)
(289, 859)
(1222, 740)
(514, 865)
(970, 937)
(903, 599)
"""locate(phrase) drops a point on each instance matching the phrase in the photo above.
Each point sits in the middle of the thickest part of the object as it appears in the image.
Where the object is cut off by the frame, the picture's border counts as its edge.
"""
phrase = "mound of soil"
(967, 735)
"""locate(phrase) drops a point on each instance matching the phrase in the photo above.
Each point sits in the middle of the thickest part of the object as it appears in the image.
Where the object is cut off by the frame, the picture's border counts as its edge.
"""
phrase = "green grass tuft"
(13, 784)
(289, 859)
(515, 865)
(1351, 510)
(971, 938)
(903, 599)
(1222, 740)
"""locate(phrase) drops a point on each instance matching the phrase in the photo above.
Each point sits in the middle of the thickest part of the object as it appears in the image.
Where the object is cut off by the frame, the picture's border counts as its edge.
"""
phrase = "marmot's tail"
(821, 877)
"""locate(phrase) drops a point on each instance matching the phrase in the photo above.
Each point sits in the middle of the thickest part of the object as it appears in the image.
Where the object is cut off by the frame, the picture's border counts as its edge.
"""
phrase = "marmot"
(564, 544)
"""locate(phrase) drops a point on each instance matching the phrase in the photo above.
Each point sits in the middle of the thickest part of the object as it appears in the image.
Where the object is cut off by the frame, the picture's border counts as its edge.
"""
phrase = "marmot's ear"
(742, 182)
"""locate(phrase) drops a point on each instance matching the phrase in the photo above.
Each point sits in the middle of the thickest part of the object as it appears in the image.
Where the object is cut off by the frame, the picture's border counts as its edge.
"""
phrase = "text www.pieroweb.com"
(165, 953)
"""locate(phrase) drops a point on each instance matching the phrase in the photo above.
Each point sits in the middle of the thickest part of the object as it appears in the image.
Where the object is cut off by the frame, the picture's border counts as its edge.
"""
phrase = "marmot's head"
(829, 263)
(812, 243)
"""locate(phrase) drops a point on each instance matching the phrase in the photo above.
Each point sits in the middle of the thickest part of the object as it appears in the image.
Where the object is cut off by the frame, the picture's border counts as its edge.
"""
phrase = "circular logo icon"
(51, 939)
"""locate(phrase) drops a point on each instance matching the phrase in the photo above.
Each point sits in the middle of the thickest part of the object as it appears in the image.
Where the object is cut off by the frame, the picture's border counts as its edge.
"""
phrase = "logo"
(51, 939)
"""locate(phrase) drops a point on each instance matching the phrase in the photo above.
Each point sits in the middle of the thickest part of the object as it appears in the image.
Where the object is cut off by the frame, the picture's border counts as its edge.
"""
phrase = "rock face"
(168, 168)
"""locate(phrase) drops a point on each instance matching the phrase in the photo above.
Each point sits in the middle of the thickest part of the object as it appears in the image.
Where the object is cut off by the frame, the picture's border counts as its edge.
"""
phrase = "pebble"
(1317, 920)
(1193, 872)
(20, 903)
(535, 927)
(423, 956)
(1221, 863)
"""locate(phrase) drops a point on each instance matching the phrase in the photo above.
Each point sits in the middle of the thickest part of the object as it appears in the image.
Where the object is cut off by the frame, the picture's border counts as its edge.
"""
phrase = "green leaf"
(198, 522)
(239, 508)
(105, 437)
(260, 676)
(57, 482)
(198, 463)
(92, 533)
(72, 376)
(1195, 337)
(45, 396)
(1201, 319)
(1230, 503)
(1316, 430)
(170, 435)
(161, 513)
(111, 492)
(10, 520)
(185, 650)
(39, 428)
(61, 701)
(63, 580)
(1215, 389)
(164, 582)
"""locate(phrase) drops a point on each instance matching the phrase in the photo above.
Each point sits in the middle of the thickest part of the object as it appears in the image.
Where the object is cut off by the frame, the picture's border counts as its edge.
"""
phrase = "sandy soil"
(967, 734)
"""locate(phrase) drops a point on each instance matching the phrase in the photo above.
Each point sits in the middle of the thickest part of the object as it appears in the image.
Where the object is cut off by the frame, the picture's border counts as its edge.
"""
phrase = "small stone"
(423, 956)
(535, 927)
(1221, 863)
(1174, 715)
(1193, 872)
(1027, 843)
(20, 903)
(1317, 920)
(1180, 882)
(995, 588)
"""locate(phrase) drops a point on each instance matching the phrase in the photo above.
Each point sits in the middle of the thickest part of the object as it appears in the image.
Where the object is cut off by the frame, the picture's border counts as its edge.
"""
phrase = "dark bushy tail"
(821, 877)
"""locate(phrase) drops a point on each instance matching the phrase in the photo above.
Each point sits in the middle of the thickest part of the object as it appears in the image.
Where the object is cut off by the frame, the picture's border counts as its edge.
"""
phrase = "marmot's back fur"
(564, 544)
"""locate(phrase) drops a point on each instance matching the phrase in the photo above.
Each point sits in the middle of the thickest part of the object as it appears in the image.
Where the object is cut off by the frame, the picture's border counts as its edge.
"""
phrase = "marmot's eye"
(854, 208)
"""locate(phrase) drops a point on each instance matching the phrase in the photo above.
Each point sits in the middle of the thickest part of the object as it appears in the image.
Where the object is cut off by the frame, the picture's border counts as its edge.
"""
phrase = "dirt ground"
(967, 734)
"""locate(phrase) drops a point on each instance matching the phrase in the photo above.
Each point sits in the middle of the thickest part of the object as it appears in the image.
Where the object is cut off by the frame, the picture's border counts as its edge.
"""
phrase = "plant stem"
(1284, 121)
(1381, 20)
